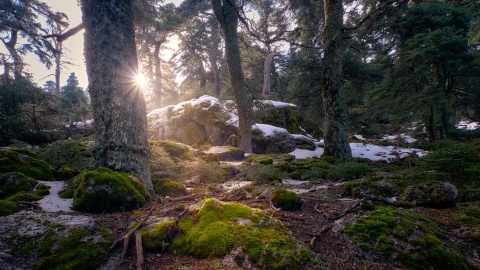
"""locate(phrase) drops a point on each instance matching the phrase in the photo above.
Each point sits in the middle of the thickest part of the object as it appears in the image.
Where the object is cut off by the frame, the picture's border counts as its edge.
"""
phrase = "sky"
(72, 48)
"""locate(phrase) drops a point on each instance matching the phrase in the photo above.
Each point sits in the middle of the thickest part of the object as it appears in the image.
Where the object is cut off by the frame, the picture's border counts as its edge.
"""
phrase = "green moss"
(25, 162)
(216, 228)
(68, 157)
(103, 190)
(348, 171)
(211, 157)
(386, 228)
(78, 250)
(8, 208)
(175, 150)
(167, 187)
(26, 196)
(236, 153)
(42, 189)
(160, 236)
(329, 159)
(12, 183)
(266, 161)
(286, 200)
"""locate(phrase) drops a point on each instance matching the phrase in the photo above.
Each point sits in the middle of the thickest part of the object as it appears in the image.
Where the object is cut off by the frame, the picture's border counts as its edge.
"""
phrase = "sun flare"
(142, 81)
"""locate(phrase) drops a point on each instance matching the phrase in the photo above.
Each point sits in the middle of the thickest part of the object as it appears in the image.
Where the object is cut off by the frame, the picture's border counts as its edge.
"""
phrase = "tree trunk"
(118, 105)
(226, 14)
(214, 55)
(157, 88)
(58, 59)
(17, 58)
(335, 134)
(266, 73)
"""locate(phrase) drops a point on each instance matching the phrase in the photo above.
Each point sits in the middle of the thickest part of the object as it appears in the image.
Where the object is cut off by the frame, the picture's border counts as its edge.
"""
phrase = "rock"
(431, 194)
(167, 187)
(26, 162)
(215, 229)
(104, 190)
(227, 153)
(286, 200)
(12, 183)
(52, 241)
(193, 122)
(270, 139)
(158, 233)
(276, 113)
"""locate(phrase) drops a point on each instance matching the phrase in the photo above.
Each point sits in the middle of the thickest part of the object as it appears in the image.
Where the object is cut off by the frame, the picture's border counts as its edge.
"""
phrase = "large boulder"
(276, 113)
(11, 183)
(26, 162)
(271, 139)
(196, 121)
(431, 194)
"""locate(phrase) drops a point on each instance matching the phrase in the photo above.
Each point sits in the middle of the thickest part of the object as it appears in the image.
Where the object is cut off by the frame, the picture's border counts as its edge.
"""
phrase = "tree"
(227, 15)
(334, 102)
(118, 104)
(20, 19)
(73, 101)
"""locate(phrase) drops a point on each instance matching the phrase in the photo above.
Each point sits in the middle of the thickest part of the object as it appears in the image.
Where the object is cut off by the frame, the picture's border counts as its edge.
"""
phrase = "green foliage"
(8, 208)
(73, 102)
(26, 196)
(386, 228)
(167, 187)
(66, 154)
(204, 172)
(260, 174)
(162, 164)
(216, 228)
(104, 190)
(348, 171)
(286, 200)
(175, 150)
(25, 162)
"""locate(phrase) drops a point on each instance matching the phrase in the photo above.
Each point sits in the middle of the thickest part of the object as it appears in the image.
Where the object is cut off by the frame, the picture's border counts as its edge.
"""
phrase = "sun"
(142, 81)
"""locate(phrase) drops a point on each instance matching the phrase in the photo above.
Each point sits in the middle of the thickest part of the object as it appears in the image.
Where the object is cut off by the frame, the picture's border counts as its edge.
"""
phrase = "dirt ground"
(316, 226)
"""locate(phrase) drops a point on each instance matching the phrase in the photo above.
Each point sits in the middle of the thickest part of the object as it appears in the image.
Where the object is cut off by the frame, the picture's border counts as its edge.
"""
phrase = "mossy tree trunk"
(226, 13)
(334, 101)
(118, 104)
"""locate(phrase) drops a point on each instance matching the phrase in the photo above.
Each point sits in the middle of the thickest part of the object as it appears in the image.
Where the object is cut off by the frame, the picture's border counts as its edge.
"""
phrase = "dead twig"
(139, 249)
(126, 238)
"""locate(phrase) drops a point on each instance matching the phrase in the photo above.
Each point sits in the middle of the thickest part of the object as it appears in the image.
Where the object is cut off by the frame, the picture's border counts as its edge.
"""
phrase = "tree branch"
(369, 15)
(62, 37)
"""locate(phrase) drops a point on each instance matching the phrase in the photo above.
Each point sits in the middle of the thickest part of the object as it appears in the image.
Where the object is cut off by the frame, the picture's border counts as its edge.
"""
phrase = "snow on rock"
(271, 131)
(466, 125)
(362, 150)
(271, 139)
(259, 104)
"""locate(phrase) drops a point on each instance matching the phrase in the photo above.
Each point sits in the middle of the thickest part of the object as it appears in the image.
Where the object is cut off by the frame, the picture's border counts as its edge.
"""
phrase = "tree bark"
(226, 13)
(214, 55)
(266, 73)
(18, 64)
(157, 89)
(334, 101)
(118, 104)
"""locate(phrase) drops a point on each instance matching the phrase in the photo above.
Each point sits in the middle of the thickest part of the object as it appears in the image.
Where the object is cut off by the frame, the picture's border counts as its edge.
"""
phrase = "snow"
(52, 202)
(276, 104)
(229, 186)
(466, 125)
(269, 130)
(363, 150)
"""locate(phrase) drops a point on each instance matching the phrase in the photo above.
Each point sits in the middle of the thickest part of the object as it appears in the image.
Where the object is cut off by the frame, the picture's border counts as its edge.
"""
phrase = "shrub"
(67, 154)
(260, 174)
(348, 171)
(205, 172)
(25, 162)
(8, 208)
(167, 187)
(161, 163)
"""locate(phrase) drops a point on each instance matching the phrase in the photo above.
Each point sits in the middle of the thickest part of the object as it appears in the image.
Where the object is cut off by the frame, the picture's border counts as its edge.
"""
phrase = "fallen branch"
(346, 211)
(326, 228)
(183, 198)
(126, 238)
(139, 249)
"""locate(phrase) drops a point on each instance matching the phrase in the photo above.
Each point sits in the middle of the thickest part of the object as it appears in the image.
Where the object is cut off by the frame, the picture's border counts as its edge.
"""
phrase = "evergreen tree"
(73, 101)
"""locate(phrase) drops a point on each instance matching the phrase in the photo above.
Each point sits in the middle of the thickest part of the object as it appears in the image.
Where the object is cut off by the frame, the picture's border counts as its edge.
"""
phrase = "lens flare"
(142, 81)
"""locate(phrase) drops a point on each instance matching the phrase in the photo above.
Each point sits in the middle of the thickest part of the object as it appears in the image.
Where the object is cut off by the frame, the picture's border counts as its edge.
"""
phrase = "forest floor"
(316, 226)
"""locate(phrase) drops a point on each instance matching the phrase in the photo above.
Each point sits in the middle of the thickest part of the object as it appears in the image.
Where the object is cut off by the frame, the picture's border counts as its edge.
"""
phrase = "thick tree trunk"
(267, 65)
(58, 59)
(226, 14)
(17, 59)
(335, 134)
(157, 89)
(118, 105)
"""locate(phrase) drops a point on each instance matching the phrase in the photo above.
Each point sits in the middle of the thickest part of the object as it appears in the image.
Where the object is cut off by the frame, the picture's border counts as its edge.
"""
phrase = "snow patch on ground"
(229, 186)
(52, 202)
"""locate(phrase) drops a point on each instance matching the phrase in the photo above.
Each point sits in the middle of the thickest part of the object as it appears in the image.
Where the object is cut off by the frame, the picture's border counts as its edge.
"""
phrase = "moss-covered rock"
(8, 207)
(286, 200)
(12, 183)
(432, 194)
(104, 190)
(214, 229)
(373, 185)
(51, 241)
(227, 153)
(26, 196)
(174, 149)
(167, 187)
(26, 162)
(158, 233)
(414, 240)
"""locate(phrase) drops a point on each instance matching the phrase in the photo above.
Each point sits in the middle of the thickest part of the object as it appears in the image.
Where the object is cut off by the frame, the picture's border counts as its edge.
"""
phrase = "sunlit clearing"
(142, 81)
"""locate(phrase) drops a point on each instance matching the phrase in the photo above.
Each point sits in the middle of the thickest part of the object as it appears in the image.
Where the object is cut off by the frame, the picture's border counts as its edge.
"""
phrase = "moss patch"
(158, 236)
(167, 187)
(26, 196)
(175, 150)
(78, 250)
(286, 200)
(411, 238)
(104, 190)
(216, 228)
(25, 162)
(8, 208)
